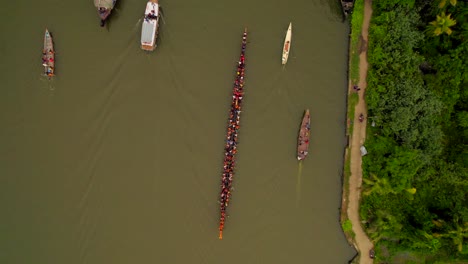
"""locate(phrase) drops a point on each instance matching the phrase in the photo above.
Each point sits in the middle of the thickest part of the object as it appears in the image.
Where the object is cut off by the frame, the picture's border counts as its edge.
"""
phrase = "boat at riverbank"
(287, 45)
(347, 6)
(104, 8)
(303, 139)
(48, 55)
(149, 28)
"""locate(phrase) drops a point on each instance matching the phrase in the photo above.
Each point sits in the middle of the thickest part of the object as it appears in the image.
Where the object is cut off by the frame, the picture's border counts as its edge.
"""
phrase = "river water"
(118, 158)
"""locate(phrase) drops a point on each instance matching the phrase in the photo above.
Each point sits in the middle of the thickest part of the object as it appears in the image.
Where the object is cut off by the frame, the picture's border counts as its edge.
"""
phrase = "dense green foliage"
(415, 196)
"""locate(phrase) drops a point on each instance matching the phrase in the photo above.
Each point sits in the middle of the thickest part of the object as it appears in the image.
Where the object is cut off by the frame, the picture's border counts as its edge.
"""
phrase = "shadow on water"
(115, 13)
(336, 9)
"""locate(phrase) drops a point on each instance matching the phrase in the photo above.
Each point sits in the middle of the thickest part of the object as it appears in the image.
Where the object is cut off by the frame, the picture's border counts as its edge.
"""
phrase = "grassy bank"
(353, 100)
(355, 40)
(346, 224)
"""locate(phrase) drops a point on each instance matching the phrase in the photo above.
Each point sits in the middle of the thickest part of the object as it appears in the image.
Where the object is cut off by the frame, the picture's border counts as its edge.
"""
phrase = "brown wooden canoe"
(304, 135)
(48, 55)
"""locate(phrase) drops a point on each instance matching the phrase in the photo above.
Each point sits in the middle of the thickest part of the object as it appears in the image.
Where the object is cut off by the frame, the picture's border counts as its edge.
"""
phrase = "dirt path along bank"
(358, 137)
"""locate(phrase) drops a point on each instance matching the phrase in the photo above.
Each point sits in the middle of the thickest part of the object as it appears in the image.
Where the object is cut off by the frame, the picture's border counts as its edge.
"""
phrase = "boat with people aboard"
(149, 29)
(303, 139)
(48, 55)
(104, 8)
(231, 138)
(287, 45)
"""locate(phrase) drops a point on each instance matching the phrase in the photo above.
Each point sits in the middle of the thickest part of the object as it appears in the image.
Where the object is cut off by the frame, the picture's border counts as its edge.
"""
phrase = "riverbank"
(356, 132)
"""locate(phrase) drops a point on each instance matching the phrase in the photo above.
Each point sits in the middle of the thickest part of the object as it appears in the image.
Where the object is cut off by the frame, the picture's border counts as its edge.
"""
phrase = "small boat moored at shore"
(149, 29)
(347, 6)
(287, 45)
(304, 134)
(48, 55)
(104, 8)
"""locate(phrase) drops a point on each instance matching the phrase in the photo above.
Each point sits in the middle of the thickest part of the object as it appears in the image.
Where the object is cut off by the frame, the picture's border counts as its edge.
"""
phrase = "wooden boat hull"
(48, 55)
(104, 8)
(347, 6)
(287, 45)
(150, 26)
(304, 135)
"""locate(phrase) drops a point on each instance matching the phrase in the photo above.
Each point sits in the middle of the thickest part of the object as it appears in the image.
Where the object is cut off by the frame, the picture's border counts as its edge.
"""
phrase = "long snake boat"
(231, 137)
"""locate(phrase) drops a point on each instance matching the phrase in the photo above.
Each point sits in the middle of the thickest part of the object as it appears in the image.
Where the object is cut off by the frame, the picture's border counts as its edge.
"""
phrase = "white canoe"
(149, 29)
(287, 45)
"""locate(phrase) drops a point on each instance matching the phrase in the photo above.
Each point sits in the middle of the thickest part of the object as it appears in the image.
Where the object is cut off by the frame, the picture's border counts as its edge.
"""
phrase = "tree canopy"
(415, 176)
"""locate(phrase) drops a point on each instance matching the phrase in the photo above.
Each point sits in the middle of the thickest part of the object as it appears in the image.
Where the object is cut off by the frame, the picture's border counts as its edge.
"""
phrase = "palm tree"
(442, 25)
(443, 2)
(432, 242)
(378, 185)
(385, 225)
(382, 186)
(458, 235)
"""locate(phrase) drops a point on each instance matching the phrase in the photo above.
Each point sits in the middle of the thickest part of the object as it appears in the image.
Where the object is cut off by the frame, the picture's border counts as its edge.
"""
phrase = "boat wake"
(46, 79)
(51, 89)
(161, 13)
(137, 25)
(298, 184)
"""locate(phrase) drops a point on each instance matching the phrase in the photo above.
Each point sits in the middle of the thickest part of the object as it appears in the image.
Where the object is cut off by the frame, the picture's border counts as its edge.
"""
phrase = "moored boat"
(287, 45)
(149, 29)
(48, 55)
(303, 139)
(104, 8)
(347, 6)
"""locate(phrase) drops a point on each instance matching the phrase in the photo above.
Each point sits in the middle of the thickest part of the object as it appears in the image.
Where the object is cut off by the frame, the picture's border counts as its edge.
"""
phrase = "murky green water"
(118, 159)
